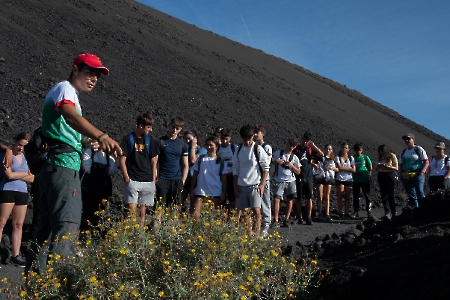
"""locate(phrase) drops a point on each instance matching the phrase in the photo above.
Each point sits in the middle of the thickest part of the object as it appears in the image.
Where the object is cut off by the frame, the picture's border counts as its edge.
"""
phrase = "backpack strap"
(275, 174)
(233, 148)
(132, 145)
(222, 166)
(255, 150)
(131, 139)
(147, 144)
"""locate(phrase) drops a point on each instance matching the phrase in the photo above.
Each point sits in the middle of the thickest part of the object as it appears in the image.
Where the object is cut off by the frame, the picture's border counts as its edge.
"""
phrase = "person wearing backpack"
(195, 149)
(323, 188)
(361, 180)
(287, 165)
(226, 152)
(412, 166)
(387, 178)
(306, 151)
(138, 166)
(173, 164)
(344, 180)
(14, 195)
(250, 169)
(96, 184)
(207, 178)
(439, 169)
(59, 182)
(266, 209)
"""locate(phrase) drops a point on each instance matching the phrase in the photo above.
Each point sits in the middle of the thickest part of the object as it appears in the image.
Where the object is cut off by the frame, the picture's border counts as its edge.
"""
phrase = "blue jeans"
(414, 189)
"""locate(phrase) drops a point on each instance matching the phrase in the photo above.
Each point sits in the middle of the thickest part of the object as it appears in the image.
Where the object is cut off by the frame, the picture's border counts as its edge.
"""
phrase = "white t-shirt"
(227, 155)
(437, 167)
(208, 179)
(411, 161)
(284, 174)
(344, 175)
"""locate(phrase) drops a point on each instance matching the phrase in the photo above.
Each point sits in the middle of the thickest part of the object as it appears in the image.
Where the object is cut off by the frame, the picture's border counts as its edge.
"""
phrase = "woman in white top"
(324, 188)
(439, 169)
(206, 181)
(344, 179)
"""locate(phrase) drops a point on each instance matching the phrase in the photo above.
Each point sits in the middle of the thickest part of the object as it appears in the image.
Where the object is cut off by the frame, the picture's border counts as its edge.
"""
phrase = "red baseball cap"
(92, 61)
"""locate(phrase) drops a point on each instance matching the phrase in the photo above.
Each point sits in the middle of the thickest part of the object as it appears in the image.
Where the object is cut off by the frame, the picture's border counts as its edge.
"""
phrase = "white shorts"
(141, 193)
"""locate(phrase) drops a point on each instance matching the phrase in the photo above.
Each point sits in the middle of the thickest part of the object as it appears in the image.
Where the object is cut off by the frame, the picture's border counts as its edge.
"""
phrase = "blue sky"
(395, 52)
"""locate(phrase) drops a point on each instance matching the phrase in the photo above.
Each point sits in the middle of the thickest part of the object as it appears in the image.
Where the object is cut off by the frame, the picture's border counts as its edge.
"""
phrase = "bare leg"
(142, 209)
(319, 189)
(276, 209)
(257, 219)
(340, 192)
(196, 207)
(18, 216)
(288, 208)
(5, 211)
(308, 208)
(326, 198)
(348, 191)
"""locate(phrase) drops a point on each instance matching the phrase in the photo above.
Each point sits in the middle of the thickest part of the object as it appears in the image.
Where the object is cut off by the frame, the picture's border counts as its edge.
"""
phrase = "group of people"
(171, 169)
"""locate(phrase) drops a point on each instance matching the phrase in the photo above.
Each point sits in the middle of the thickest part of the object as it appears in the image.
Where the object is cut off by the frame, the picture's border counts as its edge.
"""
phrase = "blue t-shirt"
(170, 157)
(199, 151)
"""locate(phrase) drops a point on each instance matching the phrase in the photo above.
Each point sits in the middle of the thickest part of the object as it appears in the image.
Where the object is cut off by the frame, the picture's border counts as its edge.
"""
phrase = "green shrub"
(175, 257)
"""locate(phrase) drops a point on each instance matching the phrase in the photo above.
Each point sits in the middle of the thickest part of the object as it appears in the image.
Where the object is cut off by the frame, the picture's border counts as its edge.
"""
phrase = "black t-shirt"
(305, 155)
(138, 163)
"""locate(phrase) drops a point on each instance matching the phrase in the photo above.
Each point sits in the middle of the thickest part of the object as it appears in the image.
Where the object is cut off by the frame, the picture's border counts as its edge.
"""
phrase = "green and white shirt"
(54, 125)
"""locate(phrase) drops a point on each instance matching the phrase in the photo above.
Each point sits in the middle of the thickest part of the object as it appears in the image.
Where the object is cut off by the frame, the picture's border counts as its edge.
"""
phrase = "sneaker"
(309, 221)
(321, 218)
(264, 233)
(347, 217)
(387, 217)
(275, 224)
(18, 261)
(287, 223)
(395, 213)
(328, 218)
(355, 215)
(372, 217)
(341, 216)
(300, 221)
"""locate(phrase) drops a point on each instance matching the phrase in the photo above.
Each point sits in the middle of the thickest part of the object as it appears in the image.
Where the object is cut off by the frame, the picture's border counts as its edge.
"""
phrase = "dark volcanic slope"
(166, 67)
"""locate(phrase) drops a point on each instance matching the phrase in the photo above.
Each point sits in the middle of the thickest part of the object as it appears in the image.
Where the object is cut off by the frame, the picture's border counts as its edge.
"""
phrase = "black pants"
(168, 191)
(357, 187)
(386, 181)
(438, 182)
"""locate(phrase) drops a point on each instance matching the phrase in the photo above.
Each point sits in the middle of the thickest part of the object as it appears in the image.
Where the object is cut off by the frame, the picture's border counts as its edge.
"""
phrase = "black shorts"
(305, 188)
(323, 182)
(187, 185)
(230, 188)
(344, 183)
(18, 198)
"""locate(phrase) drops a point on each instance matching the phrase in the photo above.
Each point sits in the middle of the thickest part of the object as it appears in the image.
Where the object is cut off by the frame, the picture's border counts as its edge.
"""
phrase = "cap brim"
(104, 70)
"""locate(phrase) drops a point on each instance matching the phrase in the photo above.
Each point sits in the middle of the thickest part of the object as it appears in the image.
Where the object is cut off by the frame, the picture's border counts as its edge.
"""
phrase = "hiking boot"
(300, 221)
(18, 261)
(275, 224)
(328, 218)
(309, 221)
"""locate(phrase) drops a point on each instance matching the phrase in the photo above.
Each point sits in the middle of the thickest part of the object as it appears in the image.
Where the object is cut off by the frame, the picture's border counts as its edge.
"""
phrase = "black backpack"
(98, 183)
(40, 148)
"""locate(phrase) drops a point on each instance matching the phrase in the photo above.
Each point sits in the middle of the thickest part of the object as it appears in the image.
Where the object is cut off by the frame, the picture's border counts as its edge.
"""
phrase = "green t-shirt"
(54, 125)
(362, 173)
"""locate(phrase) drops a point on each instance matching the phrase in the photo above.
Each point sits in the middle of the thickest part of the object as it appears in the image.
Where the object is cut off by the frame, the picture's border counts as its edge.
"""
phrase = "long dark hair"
(194, 134)
(342, 145)
(216, 142)
(387, 153)
(22, 136)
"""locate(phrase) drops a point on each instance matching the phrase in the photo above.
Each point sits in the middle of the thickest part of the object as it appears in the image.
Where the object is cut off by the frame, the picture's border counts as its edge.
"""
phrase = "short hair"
(218, 128)
(144, 119)
(22, 136)
(259, 127)
(247, 132)
(293, 142)
(357, 146)
(225, 132)
(177, 121)
(307, 136)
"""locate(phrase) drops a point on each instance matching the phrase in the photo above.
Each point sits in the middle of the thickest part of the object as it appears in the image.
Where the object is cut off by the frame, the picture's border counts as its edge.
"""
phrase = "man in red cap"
(59, 183)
